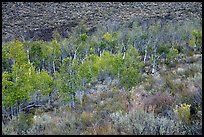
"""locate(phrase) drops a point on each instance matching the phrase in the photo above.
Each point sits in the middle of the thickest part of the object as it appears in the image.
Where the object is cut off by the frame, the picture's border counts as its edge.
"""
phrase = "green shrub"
(149, 82)
(141, 123)
(169, 82)
(190, 53)
(8, 127)
(23, 123)
(191, 71)
(83, 37)
(197, 39)
(87, 118)
(61, 122)
(163, 49)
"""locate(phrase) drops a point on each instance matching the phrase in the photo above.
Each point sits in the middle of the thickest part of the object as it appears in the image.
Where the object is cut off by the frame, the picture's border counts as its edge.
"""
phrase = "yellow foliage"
(183, 112)
(107, 36)
(192, 42)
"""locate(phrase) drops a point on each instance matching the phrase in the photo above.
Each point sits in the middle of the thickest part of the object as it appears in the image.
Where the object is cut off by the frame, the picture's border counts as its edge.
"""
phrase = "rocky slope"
(29, 18)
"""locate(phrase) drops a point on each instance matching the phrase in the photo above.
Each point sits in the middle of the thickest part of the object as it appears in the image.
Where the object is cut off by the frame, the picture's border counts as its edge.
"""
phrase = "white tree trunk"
(100, 53)
(75, 53)
(53, 64)
(28, 56)
(154, 61)
(123, 55)
(154, 66)
(145, 57)
(194, 47)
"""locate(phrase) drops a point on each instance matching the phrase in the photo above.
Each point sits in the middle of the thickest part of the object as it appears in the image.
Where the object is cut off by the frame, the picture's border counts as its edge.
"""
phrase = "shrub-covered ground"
(143, 77)
(37, 20)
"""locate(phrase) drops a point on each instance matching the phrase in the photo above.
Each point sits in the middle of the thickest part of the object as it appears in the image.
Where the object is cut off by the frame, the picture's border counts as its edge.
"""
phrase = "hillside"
(40, 19)
(142, 76)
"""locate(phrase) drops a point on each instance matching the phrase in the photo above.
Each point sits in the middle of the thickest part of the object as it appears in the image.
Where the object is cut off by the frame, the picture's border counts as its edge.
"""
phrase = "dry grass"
(106, 129)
